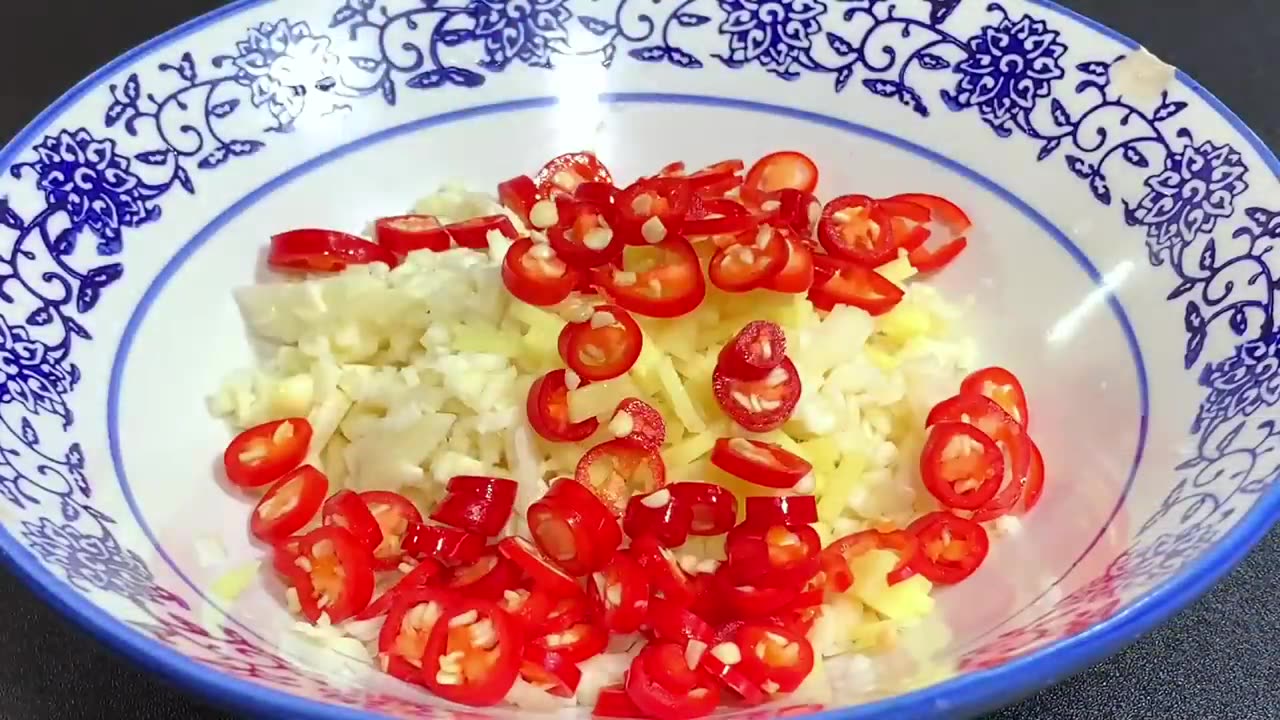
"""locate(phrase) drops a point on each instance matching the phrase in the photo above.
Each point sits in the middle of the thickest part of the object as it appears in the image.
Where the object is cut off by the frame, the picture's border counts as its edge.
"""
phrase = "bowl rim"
(967, 695)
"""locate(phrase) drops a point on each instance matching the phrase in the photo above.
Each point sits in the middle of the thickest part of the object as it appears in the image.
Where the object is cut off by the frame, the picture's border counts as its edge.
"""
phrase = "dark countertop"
(1217, 659)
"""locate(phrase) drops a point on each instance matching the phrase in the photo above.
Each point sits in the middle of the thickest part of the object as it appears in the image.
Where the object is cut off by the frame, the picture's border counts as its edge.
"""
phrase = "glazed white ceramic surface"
(1120, 266)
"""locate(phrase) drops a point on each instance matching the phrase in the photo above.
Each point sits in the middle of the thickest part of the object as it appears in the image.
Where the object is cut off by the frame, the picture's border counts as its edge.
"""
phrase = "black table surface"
(1220, 658)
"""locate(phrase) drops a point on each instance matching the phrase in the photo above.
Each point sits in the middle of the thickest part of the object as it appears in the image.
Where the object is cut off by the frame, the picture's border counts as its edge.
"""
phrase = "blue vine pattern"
(193, 117)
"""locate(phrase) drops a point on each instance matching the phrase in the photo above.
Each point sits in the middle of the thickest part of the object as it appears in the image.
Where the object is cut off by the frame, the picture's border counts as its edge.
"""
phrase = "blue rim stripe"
(966, 695)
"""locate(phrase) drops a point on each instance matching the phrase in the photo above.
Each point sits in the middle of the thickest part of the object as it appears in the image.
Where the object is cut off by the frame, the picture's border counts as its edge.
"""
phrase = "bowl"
(1118, 263)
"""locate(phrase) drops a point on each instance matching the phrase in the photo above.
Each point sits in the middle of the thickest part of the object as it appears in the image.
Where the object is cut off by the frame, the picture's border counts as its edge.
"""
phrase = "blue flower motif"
(30, 376)
(519, 29)
(775, 33)
(279, 63)
(1241, 384)
(1196, 189)
(85, 177)
(91, 562)
(1010, 67)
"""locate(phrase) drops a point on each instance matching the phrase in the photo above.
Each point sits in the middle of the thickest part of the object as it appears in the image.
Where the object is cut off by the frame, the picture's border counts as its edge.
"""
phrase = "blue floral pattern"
(519, 29)
(1016, 74)
(1011, 67)
(1197, 189)
(777, 34)
(279, 63)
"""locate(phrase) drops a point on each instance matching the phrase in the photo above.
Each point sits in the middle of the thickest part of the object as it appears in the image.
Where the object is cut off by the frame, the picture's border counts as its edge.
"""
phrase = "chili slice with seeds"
(473, 654)
(548, 410)
(289, 505)
(394, 515)
(617, 469)
(951, 547)
(779, 171)
(605, 346)
(332, 574)
(758, 462)
(534, 274)
(713, 508)
(263, 454)
(404, 234)
(762, 404)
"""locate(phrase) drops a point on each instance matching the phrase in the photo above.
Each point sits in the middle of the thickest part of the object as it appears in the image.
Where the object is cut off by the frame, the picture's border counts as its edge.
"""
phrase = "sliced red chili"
(941, 211)
(536, 275)
(481, 505)
(721, 217)
(661, 684)
(796, 210)
(951, 547)
(773, 556)
(332, 574)
(713, 509)
(779, 171)
(564, 173)
(584, 236)
(728, 674)
(604, 346)
(666, 282)
(667, 199)
(420, 576)
(986, 414)
(551, 672)
(548, 410)
(718, 179)
(284, 553)
(759, 462)
(762, 404)
(658, 514)
(519, 194)
(766, 510)
(394, 514)
(487, 577)
(707, 603)
(664, 573)
(749, 265)
(753, 601)
(448, 545)
(759, 347)
(836, 557)
(960, 465)
(473, 654)
(574, 527)
(671, 622)
(579, 642)
(776, 658)
(1026, 489)
(602, 194)
(639, 423)
(614, 702)
(474, 233)
(797, 275)
(927, 261)
(537, 567)
(312, 250)
(404, 234)
(847, 283)
(263, 454)
(529, 607)
(1003, 387)
(856, 228)
(617, 469)
(410, 620)
(289, 505)
(566, 612)
(621, 592)
(346, 510)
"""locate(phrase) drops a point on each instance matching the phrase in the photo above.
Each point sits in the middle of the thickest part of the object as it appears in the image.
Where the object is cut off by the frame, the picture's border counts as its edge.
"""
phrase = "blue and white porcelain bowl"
(1124, 215)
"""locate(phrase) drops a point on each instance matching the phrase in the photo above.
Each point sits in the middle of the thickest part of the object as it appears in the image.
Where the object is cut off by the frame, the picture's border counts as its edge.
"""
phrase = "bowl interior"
(1121, 264)
(1034, 298)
